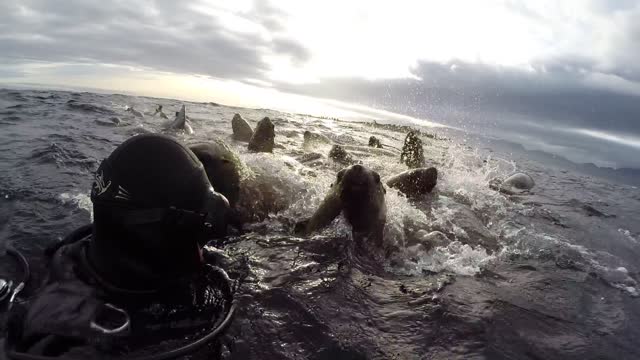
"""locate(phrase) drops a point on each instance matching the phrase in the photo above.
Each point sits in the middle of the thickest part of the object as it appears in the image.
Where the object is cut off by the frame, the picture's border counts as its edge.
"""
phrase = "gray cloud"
(558, 92)
(444, 91)
(268, 15)
(537, 106)
(297, 52)
(606, 32)
(161, 35)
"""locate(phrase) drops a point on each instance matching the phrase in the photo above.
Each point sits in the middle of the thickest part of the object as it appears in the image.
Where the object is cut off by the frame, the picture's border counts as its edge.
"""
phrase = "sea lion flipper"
(329, 209)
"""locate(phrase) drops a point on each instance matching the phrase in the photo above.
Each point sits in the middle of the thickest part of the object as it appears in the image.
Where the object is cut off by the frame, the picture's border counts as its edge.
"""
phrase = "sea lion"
(134, 112)
(113, 121)
(311, 138)
(252, 196)
(241, 129)
(412, 152)
(159, 111)
(375, 142)
(263, 137)
(222, 168)
(517, 183)
(359, 195)
(414, 182)
(181, 122)
(340, 155)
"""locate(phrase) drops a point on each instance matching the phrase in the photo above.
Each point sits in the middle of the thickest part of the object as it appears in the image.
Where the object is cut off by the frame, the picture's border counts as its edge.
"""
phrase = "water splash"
(457, 258)
(81, 201)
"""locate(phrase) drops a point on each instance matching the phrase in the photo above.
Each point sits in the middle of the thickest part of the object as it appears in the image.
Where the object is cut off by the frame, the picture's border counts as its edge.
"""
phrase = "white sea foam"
(457, 258)
(81, 201)
(627, 234)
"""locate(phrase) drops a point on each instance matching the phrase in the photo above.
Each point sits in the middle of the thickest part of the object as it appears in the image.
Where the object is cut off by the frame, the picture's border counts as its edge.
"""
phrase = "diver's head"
(153, 209)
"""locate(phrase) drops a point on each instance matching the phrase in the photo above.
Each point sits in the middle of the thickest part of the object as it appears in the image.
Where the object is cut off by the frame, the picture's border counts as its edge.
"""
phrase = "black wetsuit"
(75, 313)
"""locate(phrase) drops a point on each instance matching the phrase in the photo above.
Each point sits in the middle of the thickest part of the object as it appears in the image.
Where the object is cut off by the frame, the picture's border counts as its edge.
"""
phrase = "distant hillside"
(622, 175)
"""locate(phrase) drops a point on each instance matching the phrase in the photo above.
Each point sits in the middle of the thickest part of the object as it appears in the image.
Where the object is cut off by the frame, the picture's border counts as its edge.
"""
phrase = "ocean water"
(548, 275)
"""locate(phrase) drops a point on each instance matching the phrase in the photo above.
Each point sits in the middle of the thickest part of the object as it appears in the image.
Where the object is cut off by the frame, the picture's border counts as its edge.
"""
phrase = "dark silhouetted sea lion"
(375, 142)
(340, 155)
(159, 111)
(222, 168)
(414, 182)
(181, 122)
(252, 196)
(263, 137)
(412, 152)
(241, 129)
(359, 194)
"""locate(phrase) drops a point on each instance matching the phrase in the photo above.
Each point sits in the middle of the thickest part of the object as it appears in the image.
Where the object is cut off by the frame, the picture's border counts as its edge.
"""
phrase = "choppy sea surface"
(548, 275)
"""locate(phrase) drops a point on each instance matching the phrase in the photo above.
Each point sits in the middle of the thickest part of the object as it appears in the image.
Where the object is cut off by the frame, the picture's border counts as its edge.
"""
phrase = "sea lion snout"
(357, 180)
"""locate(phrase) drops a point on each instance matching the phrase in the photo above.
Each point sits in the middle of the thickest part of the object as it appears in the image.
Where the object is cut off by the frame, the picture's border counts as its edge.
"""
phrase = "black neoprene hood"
(151, 171)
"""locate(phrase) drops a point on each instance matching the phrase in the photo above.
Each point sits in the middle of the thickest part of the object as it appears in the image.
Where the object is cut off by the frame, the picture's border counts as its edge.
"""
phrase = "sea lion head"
(412, 151)
(263, 137)
(362, 195)
(222, 168)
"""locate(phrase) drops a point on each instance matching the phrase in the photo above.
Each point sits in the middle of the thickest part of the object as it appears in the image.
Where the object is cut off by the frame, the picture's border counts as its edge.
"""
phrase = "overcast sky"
(561, 76)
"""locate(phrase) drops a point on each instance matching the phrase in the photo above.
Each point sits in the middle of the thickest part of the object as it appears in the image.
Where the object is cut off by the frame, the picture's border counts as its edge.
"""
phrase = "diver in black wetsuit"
(125, 284)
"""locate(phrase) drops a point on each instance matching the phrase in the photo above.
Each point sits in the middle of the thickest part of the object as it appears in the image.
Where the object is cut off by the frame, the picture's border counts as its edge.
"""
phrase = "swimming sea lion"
(263, 137)
(222, 168)
(359, 194)
(113, 121)
(515, 184)
(414, 182)
(181, 122)
(375, 142)
(241, 129)
(159, 111)
(133, 111)
(412, 151)
(340, 155)
(520, 181)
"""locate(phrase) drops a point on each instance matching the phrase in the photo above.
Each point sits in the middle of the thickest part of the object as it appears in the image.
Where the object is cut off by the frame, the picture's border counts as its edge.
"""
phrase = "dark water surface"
(549, 275)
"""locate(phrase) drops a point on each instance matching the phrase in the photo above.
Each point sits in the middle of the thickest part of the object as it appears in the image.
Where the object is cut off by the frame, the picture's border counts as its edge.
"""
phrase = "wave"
(61, 156)
(79, 200)
(90, 108)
